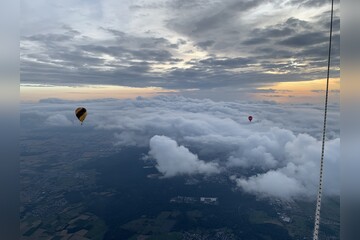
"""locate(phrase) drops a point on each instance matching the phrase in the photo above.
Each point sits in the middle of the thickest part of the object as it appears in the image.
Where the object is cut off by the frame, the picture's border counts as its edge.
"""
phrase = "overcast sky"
(197, 48)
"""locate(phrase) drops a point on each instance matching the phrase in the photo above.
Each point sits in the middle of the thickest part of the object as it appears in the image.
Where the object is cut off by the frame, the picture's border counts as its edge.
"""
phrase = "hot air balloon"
(250, 118)
(81, 114)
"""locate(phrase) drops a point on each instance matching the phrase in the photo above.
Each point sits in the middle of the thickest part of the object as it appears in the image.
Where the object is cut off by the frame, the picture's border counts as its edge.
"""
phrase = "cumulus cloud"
(272, 183)
(173, 159)
(281, 144)
(299, 177)
(264, 150)
(58, 120)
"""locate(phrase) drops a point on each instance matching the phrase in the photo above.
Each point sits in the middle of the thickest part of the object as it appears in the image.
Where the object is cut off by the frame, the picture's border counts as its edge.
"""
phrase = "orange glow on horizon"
(305, 86)
(33, 92)
(301, 91)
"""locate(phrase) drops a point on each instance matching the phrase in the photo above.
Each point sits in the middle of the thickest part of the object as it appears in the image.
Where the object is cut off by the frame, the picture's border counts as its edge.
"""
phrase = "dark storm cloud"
(321, 91)
(142, 42)
(185, 4)
(263, 90)
(255, 41)
(314, 52)
(210, 18)
(279, 67)
(226, 62)
(304, 39)
(74, 58)
(311, 3)
(324, 20)
(130, 54)
(317, 56)
(115, 32)
(306, 44)
(205, 44)
(206, 75)
(80, 54)
(55, 74)
(291, 33)
(275, 33)
(49, 37)
(156, 55)
(290, 26)
(77, 63)
(270, 53)
(297, 23)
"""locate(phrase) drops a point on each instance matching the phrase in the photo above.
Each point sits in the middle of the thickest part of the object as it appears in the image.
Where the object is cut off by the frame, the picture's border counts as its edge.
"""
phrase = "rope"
(318, 201)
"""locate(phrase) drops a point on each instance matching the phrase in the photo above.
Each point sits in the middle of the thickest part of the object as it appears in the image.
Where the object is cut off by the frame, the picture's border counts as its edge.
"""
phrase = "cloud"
(173, 160)
(203, 45)
(198, 136)
(310, 3)
(228, 62)
(58, 120)
(272, 184)
(264, 150)
(299, 177)
(305, 39)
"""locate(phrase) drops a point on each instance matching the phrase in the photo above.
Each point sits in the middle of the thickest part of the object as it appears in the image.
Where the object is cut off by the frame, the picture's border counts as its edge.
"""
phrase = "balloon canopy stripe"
(81, 113)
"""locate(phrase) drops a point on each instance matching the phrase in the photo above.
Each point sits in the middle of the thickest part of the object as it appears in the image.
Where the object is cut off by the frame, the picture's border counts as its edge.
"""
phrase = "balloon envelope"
(250, 118)
(81, 114)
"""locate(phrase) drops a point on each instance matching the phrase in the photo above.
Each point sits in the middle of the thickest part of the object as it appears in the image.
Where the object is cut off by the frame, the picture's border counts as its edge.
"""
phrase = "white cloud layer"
(173, 159)
(58, 120)
(299, 177)
(279, 149)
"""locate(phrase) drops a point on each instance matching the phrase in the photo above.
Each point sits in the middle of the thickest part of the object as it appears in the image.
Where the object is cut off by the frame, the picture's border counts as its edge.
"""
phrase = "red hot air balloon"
(250, 118)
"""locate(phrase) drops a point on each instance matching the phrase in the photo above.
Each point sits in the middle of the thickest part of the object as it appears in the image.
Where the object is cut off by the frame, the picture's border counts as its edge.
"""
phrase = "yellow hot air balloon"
(81, 114)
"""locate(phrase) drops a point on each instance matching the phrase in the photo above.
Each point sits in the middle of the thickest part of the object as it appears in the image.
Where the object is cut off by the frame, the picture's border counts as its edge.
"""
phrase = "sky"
(221, 50)
(180, 77)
